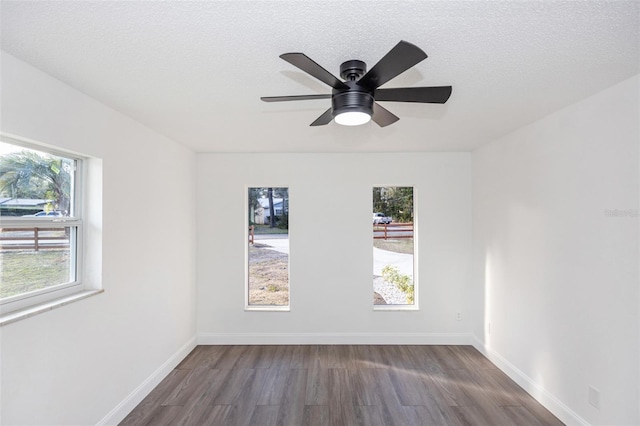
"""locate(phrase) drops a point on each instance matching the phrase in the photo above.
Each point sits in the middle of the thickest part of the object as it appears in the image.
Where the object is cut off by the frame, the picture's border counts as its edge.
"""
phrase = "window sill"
(267, 308)
(395, 308)
(10, 317)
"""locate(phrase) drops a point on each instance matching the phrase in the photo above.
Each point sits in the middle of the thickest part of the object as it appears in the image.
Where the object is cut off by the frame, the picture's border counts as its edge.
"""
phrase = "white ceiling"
(194, 71)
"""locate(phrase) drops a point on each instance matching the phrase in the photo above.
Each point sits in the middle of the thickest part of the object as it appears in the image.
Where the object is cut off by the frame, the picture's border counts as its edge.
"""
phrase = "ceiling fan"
(354, 101)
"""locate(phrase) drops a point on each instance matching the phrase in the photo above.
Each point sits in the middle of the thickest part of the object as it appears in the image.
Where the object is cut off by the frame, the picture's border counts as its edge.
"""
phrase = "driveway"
(279, 244)
(382, 258)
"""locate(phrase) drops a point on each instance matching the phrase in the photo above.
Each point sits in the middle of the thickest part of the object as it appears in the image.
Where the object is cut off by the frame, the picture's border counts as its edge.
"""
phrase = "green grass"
(401, 245)
(23, 271)
(265, 229)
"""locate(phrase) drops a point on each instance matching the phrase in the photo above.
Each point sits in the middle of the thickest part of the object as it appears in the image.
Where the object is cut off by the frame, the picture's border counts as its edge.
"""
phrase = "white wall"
(74, 364)
(331, 247)
(555, 277)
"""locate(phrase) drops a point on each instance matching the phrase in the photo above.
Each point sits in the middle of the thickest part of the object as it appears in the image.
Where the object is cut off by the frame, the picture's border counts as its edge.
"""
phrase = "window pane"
(268, 220)
(34, 183)
(35, 258)
(37, 251)
(393, 246)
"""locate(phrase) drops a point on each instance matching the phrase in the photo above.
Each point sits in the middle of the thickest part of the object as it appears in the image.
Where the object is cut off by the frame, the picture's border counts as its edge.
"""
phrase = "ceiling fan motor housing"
(354, 99)
(352, 70)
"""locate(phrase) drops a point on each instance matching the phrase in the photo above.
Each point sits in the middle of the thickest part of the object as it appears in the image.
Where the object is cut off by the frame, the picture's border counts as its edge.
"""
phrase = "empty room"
(185, 196)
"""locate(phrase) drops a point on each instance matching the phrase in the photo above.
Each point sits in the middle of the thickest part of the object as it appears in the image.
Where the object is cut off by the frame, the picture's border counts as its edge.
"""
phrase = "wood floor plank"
(315, 415)
(519, 415)
(341, 356)
(495, 387)
(164, 415)
(233, 386)
(198, 406)
(265, 415)
(194, 358)
(152, 401)
(292, 407)
(445, 358)
(439, 387)
(363, 357)
(472, 358)
(247, 400)
(298, 355)
(338, 385)
(433, 413)
(274, 387)
(540, 412)
(403, 357)
(317, 355)
(346, 414)
(422, 358)
(369, 415)
(342, 399)
(476, 415)
(378, 357)
(478, 405)
(266, 356)
(317, 390)
(454, 391)
(216, 415)
(340, 389)
(409, 385)
(212, 355)
(248, 358)
(229, 357)
(358, 388)
(391, 409)
(394, 357)
(366, 392)
(188, 387)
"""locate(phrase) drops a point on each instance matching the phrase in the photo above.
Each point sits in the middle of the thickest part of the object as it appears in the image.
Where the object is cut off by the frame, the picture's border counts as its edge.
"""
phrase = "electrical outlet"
(594, 397)
(459, 316)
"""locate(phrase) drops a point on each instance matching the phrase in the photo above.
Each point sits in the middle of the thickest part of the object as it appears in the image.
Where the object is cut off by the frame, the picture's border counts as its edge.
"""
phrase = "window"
(393, 247)
(268, 249)
(40, 226)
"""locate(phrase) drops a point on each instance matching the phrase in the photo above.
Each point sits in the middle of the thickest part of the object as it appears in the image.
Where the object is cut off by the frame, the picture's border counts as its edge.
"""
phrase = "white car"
(54, 213)
(380, 218)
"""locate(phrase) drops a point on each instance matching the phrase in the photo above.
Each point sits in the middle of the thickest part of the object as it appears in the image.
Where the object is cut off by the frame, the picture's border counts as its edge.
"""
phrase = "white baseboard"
(121, 411)
(539, 393)
(335, 339)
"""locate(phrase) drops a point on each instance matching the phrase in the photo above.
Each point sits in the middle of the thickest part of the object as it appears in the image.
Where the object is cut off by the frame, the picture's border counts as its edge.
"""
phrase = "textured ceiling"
(194, 71)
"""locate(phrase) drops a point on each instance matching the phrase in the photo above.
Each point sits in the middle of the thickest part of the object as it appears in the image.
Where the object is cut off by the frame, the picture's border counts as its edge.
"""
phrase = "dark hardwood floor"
(338, 385)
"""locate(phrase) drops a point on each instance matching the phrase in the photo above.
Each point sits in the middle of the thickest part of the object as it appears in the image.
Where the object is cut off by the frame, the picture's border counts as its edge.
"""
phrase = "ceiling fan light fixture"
(352, 108)
(352, 118)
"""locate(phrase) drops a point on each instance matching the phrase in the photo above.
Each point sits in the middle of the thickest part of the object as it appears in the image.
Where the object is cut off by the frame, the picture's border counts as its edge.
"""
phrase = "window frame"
(416, 294)
(262, 308)
(12, 306)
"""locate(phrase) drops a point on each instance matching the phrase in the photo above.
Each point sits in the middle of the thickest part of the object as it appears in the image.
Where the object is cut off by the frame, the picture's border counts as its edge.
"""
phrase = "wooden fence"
(35, 241)
(393, 231)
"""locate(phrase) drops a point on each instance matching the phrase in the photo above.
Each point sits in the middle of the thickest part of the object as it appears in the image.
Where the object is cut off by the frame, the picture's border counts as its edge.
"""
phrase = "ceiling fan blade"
(323, 119)
(399, 59)
(427, 95)
(381, 116)
(293, 98)
(307, 65)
